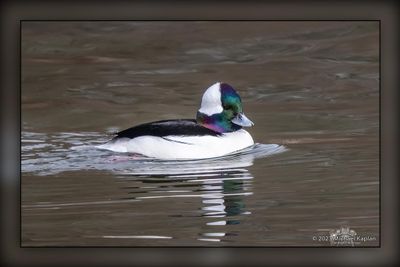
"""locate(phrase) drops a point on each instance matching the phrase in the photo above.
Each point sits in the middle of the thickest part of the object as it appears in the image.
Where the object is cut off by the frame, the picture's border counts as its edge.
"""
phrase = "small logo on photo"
(343, 236)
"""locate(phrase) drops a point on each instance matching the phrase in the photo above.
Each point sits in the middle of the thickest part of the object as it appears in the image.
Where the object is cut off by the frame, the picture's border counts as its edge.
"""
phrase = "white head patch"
(211, 101)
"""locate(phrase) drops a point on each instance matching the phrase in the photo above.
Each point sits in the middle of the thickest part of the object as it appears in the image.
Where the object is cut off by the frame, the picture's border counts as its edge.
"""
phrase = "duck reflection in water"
(224, 203)
(222, 184)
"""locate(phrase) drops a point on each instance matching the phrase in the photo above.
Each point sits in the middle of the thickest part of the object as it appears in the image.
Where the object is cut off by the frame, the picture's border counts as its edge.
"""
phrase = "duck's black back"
(183, 127)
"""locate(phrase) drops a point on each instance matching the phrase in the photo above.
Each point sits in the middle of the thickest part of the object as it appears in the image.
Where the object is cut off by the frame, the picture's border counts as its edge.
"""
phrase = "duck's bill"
(242, 120)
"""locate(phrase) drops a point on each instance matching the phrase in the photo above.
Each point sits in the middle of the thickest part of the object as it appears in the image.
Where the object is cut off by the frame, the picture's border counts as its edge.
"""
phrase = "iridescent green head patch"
(231, 102)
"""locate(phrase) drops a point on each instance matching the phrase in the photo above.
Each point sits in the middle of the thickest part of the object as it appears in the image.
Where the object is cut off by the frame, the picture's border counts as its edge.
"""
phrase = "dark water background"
(312, 87)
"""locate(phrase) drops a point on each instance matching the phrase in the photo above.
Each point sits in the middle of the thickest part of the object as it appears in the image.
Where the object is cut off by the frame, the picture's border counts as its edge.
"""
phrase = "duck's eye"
(228, 106)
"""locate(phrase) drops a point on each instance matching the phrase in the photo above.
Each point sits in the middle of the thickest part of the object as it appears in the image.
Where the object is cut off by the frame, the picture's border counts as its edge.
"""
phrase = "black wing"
(167, 127)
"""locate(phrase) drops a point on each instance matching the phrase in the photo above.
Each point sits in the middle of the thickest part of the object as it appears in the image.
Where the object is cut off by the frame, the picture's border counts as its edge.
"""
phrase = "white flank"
(211, 101)
(182, 147)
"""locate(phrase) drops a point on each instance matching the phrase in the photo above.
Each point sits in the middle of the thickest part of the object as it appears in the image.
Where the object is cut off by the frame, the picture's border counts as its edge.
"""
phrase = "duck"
(216, 131)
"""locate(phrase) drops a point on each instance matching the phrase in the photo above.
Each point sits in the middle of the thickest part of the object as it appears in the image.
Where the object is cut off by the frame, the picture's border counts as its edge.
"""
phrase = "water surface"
(311, 88)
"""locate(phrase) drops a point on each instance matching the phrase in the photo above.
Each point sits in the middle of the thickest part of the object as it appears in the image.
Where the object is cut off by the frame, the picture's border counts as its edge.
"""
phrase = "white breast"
(183, 147)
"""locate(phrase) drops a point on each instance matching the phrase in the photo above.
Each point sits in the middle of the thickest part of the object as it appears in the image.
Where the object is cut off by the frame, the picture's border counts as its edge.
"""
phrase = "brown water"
(310, 87)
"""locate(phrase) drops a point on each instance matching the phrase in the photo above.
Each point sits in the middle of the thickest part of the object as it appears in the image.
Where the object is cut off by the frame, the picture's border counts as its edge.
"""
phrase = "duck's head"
(221, 109)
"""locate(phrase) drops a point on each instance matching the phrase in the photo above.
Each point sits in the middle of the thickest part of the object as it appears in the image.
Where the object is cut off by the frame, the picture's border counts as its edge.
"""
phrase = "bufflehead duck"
(217, 131)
